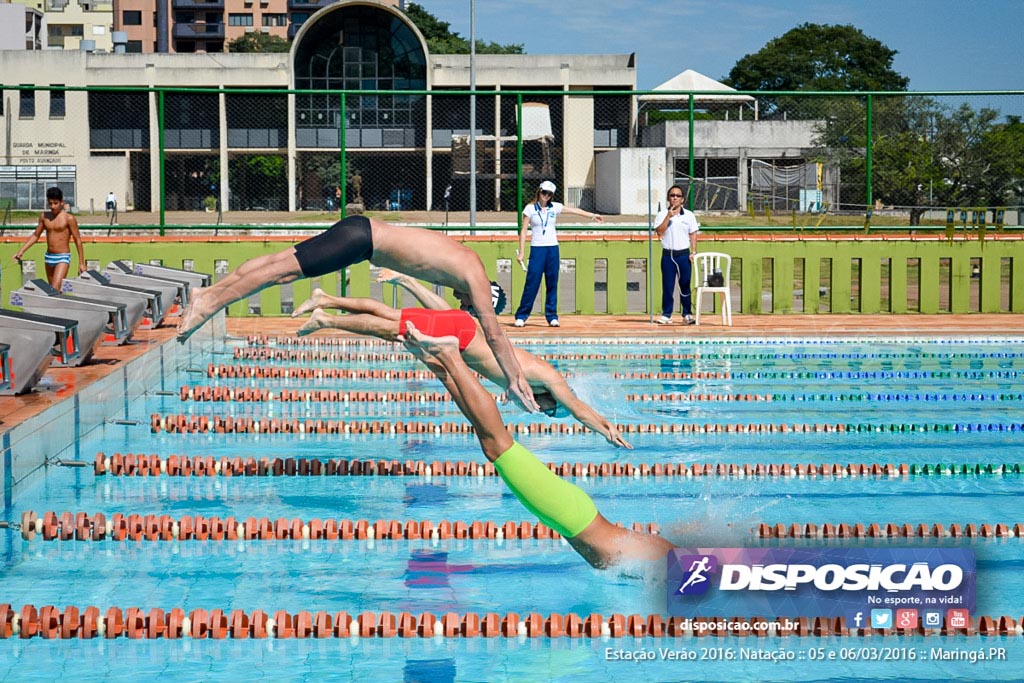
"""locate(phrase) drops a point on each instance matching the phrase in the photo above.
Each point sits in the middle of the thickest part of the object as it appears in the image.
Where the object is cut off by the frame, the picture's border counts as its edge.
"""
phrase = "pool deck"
(60, 383)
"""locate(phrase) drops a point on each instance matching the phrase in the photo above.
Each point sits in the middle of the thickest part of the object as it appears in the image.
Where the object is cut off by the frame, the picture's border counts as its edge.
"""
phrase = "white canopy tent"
(693, 81)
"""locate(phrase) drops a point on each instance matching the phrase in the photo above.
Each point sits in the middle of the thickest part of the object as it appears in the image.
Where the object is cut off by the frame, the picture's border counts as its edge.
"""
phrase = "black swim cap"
(498, 298)
(548, 405)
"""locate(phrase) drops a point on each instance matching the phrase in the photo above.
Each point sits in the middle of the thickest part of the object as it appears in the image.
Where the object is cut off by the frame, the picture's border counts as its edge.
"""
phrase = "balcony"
(308, 4)
(197, 4)
(198, 31)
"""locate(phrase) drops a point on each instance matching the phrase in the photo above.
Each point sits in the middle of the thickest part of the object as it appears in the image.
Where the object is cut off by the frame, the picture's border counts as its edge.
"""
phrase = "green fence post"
(870, 200)
(519, 151)
(693, 167)
(342, 124)
(163, 162)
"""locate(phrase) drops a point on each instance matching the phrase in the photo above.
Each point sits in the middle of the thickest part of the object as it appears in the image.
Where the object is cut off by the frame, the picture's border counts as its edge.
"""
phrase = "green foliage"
(441, 40)
(816, 57)
(259, 42)
(925, 154)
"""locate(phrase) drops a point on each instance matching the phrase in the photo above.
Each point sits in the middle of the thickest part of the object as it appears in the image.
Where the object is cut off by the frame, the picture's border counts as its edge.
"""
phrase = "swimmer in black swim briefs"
(424, 254)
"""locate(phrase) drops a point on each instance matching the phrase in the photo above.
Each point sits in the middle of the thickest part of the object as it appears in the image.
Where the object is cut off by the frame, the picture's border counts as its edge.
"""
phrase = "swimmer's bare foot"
(422, 345)
(318, 299)
(317, 321)
(195, 316)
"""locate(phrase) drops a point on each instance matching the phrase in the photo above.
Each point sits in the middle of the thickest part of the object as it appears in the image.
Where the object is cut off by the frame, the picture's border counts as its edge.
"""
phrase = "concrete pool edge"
(77, 401)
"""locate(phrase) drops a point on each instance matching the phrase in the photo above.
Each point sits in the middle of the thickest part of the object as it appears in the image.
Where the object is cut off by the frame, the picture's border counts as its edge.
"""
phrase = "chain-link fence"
(192, 157)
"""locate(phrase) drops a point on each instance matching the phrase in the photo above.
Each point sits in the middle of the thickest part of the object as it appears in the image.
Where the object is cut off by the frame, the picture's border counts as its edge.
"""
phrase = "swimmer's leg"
(368, 325)
(55, 275)
(250, 277)
(321, 299)
(442, 356)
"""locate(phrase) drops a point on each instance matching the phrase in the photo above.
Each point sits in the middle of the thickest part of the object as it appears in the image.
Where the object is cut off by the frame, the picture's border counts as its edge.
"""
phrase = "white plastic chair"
(705, 263)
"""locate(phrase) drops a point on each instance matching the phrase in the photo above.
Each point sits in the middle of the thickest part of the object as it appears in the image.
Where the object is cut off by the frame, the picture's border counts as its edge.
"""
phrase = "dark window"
(133, 46)
(239, 20)
(131, 18)
(57, 103)
(275, 19)
(27, 102)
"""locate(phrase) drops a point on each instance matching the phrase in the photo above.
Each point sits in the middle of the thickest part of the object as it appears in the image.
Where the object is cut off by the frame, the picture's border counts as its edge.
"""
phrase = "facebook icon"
(858, 620)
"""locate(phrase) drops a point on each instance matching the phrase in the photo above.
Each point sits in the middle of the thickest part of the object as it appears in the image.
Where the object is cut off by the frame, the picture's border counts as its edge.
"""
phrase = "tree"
(441, 40)
(926, 155)
(816, 57)
(259, 42)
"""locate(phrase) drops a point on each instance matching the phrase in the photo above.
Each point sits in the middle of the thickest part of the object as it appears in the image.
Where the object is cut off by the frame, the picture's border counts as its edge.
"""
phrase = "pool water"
(869, 384)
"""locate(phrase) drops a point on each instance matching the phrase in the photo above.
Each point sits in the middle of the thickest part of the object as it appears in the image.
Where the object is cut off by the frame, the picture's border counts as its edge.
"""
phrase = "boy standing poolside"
(61, 227)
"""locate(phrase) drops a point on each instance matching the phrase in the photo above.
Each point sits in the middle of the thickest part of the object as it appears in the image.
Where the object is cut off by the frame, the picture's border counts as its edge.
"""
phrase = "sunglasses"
(547, 193)
(675, 194)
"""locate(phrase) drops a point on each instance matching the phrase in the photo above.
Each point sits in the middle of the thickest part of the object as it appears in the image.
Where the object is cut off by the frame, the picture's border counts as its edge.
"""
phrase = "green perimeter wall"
(764, 273)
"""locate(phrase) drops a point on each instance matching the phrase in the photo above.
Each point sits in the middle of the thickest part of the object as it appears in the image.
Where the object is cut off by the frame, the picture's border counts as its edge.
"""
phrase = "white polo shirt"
(677, 235)
(542, 223)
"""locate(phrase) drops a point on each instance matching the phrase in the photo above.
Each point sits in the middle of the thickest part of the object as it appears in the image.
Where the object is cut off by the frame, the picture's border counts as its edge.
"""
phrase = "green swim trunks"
(562, 506)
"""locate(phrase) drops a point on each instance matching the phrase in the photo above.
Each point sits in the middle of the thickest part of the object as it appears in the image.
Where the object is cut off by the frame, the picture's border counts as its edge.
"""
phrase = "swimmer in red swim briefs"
(373, 318)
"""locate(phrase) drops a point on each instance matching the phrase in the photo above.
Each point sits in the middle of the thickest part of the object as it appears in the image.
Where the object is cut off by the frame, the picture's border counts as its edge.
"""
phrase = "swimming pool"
(750, 402)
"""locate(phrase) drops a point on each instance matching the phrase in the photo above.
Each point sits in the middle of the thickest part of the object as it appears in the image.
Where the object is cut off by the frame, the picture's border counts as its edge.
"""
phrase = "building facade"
(268, 131)
(75, 24)
(219, 143)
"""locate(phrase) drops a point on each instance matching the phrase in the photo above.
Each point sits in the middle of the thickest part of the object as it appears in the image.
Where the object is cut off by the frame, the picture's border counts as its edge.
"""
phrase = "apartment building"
(209, 25)
(70, 23)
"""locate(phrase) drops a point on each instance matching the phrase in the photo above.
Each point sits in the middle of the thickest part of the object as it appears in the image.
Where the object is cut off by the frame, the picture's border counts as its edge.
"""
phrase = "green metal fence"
(178, 158)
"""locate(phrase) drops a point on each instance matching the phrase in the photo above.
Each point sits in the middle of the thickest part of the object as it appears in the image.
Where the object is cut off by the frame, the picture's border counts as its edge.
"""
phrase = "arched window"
(357, 47)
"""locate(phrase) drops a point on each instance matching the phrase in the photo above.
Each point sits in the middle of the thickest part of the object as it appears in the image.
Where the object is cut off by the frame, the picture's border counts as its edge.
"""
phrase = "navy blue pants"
(675, 268)
(544, 261)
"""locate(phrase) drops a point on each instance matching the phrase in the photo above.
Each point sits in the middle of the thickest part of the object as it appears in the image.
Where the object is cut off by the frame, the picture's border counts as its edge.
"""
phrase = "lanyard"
(547, 215)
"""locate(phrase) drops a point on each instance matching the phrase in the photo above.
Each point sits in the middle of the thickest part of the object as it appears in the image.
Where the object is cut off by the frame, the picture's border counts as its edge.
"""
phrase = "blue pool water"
(900, 382)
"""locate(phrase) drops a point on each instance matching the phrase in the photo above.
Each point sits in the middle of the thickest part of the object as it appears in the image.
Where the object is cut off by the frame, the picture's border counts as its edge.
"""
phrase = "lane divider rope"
(318, 354)
(890, 530)
(203, 424)
(264, 372)
(141, 465)
(51, 622)
(813, 398)
(260, 395)
(80, 526)
(830, 374)
(353, 340)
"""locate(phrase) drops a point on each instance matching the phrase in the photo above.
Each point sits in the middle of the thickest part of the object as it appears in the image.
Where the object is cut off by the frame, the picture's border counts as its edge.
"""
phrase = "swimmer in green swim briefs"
(559, 504)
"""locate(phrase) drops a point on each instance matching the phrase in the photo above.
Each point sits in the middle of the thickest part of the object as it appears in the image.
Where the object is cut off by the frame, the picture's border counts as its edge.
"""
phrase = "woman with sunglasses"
(539, 218)
(678, 230)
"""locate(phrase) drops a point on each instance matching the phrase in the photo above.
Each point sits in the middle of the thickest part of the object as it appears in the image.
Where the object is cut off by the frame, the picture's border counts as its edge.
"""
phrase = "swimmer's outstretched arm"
(427, 298)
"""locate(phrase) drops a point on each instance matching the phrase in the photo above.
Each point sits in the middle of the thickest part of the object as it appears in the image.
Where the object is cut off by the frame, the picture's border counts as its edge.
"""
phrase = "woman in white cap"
(540, 218)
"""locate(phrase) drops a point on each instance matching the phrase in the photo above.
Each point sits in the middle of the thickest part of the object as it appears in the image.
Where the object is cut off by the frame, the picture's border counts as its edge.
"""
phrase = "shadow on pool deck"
(61, 383)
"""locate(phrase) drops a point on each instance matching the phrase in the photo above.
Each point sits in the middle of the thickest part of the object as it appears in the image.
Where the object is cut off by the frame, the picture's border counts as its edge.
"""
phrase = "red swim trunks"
(450, 323)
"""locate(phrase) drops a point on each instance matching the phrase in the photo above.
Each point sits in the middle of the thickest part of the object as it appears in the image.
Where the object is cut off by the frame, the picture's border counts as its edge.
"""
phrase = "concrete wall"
(621, 180)
(521, 71)
(774, 138)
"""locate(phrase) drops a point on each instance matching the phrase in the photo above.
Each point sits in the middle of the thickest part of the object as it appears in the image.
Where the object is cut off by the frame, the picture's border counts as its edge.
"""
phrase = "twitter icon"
(881, 618)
